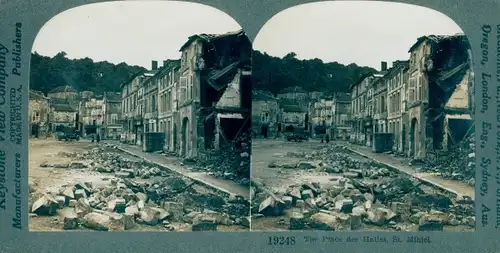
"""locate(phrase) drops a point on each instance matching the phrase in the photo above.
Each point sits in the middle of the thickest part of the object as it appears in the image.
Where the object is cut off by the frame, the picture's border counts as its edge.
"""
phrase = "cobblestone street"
(339, 186)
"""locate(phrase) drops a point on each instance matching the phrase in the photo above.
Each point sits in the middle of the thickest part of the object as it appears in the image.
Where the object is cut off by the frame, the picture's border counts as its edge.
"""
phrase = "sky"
(365, 33)
(132, 32)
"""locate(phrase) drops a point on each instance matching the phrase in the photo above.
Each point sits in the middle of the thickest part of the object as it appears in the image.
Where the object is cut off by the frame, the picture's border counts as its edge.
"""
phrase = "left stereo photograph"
(139, 120)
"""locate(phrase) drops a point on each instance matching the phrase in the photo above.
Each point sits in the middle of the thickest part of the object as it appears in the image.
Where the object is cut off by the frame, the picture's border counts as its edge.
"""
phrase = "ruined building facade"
(39, 114)
(361, 112)
(341, 116)
(265, 112)
(199, 102)
(112, 115)
(397, 79)
(132, 110)
(168, 116)
(426, 102)
(439, 93)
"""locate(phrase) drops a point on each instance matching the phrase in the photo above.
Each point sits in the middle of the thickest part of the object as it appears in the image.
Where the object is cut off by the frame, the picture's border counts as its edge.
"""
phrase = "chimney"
(154, 65)
(165, 63)
(383, 66)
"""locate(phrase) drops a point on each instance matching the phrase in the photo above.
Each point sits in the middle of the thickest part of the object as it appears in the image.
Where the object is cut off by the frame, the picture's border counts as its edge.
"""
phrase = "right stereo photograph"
(364, 124)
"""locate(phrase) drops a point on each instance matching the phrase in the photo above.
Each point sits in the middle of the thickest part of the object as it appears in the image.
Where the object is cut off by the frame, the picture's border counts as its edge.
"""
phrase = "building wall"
(294, 118)
(292, 95)
(341, 119)
(112, 119)
(322, 112)
(39, 115)
(359, 108)
(169, 102)
(62, 95)
(94, 112)
(232, 96)
(167, 115)
(417, 94)
(189, 92)
(150, 106)
(63, 117)
(460, 97)
(396, 87)
(38, 111)
(265, 111)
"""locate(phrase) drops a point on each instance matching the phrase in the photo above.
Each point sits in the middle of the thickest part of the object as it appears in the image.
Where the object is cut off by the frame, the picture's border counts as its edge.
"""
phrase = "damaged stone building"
(321, 112)
(362, 109)
(379, 103)
(168, 116)
(148, 98)
(39, 114)
(426, 102)
(112, 115)
(63, 92)
(131, 110)
(293, 115)
(62, 114)
(439, 93)
(92, 116)
(341, 116)
(214, 91)
(199, 102)
(397, 78)
(265, 112)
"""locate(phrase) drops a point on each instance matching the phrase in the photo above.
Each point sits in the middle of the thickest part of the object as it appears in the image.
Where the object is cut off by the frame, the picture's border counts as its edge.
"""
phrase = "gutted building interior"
(449, 74)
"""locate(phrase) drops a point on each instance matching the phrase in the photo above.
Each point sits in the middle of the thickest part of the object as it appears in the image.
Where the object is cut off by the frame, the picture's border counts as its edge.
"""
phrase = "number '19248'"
(281, 240)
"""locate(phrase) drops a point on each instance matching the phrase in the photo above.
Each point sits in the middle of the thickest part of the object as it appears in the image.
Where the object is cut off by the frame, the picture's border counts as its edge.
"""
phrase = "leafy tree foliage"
(269, 73)
(274, 74)
(82, 74)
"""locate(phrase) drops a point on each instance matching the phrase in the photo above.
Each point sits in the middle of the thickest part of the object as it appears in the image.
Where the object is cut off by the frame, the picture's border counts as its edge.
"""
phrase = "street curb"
(176, 171)
(427, 181)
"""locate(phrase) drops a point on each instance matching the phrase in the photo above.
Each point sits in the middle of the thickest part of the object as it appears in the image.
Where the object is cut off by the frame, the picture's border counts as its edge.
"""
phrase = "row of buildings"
(426, 102)
(198, 102)
(293, 107)
(65, 107)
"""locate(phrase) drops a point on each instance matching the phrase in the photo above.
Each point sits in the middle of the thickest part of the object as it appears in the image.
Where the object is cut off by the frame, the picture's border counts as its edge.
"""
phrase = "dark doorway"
(209, 132)
(232, 127)
(185, 136)
(403, 139)
(413, 137)
(35, 130)
(174, 135)
(458, 130)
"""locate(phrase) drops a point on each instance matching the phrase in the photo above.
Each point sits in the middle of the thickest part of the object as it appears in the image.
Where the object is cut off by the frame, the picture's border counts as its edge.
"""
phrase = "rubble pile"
(360, 193)
(335, 159)
(457, 164)
(231, 161)
(136, 193)
(351, 204)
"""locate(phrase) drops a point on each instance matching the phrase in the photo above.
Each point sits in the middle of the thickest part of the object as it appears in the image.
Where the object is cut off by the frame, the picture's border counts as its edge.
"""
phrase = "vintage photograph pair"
(165, 116)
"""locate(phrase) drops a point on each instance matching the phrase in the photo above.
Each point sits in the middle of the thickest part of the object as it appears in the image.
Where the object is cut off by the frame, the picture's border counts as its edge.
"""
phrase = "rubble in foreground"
(360, 194)
(229, 162)
(135, 193)
(457, 164)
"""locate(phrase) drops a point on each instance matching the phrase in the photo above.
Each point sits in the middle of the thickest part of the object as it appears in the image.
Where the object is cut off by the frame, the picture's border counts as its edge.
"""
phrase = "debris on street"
(458, 164)
(358, 194)
(134, 193)
(229, 162)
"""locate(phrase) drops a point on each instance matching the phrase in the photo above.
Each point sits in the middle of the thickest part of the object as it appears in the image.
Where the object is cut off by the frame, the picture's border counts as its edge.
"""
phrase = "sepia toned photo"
(366, 125)
(292, 126)
(139, 118)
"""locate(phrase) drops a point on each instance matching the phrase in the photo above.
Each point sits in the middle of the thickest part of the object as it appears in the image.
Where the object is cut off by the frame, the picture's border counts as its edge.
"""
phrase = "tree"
(83, 74)
(274, 74)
